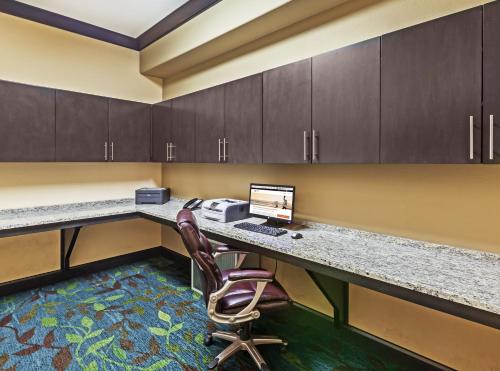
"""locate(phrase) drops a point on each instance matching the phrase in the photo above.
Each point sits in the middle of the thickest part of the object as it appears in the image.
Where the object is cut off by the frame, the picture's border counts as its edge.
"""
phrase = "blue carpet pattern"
(144, 316)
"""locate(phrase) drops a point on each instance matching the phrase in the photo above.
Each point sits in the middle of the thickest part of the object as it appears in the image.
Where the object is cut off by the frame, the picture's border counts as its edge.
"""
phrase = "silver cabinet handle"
(105, 151)
(112, 151)
(219, 147)
(306, 152)
(315, 137)
(172, 154)
(224, 150)
(471, 137)
(491, 136)
(168, 152)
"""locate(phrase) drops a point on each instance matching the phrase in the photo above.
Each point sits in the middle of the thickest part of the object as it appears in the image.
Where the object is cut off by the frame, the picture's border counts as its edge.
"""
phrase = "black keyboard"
(271, 231)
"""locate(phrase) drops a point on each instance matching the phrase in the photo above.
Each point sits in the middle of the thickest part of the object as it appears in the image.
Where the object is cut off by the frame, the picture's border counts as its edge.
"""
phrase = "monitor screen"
(275, 202)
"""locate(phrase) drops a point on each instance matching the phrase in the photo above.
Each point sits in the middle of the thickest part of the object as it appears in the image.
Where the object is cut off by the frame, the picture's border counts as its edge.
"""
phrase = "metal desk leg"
(68, 241)
(337, 294)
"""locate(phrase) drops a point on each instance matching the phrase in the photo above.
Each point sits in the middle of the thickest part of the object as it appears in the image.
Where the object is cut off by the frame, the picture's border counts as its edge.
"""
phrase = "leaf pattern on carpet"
(144, 316)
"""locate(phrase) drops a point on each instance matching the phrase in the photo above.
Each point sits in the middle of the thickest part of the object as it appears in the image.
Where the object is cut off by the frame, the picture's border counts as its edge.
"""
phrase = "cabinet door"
(287, 113)
(161, 122)
(27, 123)
(491, 83)
(81, 127)
(182, 129)
(346, 104)
(431, 91)
(209, 124)
(243, 120)
(129, 131)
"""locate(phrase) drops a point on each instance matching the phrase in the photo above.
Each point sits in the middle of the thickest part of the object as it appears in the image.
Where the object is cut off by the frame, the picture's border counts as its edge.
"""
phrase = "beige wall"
(41, 55)
(242, 22)
(441, 203)
(36, 54)
(187, 39)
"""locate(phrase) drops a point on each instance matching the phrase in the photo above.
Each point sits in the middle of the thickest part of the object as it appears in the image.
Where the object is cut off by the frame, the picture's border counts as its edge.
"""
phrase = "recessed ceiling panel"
(128, 17)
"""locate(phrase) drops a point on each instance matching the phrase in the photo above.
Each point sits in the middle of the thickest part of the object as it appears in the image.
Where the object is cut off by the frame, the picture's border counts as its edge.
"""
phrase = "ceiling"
(128, 17)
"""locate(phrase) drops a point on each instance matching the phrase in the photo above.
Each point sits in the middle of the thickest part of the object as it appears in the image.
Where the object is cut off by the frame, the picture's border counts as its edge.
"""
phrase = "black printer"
(152, 196)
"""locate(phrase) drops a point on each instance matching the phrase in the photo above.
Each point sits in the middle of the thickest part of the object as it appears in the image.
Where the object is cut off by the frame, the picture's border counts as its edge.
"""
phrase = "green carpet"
(144, 316)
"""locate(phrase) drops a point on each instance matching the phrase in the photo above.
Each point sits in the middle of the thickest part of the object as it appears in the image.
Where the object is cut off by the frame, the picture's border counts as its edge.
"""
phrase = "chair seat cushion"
(241, 294)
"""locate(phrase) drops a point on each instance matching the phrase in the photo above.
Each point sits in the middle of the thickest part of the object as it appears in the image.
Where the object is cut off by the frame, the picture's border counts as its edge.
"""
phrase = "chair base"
(243, 340)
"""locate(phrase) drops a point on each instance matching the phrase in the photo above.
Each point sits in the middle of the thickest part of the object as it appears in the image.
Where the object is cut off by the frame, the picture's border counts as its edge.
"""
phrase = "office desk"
(465, 283)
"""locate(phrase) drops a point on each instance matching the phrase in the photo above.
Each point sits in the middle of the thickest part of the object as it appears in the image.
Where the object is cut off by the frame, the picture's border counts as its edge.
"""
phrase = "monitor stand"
(274, 223)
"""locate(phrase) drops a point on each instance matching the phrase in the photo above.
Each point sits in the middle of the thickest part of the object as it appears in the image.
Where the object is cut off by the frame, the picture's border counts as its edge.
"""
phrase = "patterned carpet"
(144, 316)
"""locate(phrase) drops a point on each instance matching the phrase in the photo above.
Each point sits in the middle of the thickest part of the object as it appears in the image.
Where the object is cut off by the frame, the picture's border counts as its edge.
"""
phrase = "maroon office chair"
(235, 296)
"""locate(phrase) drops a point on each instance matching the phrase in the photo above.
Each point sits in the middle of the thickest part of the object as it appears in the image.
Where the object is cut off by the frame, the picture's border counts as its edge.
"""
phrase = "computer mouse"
(296, 235)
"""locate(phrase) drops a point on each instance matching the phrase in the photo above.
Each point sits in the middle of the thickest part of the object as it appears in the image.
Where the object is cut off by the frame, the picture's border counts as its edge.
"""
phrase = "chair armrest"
(226, 249)
(246, 314)
(253, 274)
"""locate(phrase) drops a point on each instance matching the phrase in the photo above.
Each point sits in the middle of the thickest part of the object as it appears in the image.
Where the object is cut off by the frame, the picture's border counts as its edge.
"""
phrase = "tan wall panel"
(36, 54)
(111, 239)
(172, 240)
(187, 37)
(34, 184)
(245, 22)
(295, 279)
(440, 203)
(28, 255)
(459, 343)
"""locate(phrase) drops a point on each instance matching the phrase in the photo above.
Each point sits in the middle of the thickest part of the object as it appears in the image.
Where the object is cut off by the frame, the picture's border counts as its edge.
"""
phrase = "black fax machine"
(152, 196)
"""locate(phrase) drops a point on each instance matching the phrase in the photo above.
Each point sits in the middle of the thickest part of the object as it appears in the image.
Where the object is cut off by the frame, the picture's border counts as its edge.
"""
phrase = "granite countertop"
(459, 275)
(42, 215)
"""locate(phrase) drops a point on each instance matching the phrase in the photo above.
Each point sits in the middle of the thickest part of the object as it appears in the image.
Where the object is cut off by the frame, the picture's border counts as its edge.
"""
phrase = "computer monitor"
(274, 202)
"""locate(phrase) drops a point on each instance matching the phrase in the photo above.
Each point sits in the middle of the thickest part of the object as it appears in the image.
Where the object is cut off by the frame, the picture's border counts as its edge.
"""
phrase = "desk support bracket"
(68, 241)
(337, 294)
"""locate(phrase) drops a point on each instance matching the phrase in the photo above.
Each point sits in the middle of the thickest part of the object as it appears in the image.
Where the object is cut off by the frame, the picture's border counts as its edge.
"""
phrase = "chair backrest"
(200, 250)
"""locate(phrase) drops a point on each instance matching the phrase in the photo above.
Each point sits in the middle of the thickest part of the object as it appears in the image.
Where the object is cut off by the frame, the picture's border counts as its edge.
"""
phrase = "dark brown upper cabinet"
(181, 131)
(129, 131)
(346, 104)
(243, 120)
(81, 127)
(431, 91)
(161, 123)
(210, 124)
(27, 123)
(287, 113)
(491, 83)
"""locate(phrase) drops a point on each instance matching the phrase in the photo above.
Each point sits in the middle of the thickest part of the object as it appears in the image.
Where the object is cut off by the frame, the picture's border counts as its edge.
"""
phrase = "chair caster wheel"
(213, 365)
(208, 340)
(284, 346)
(264, 367)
